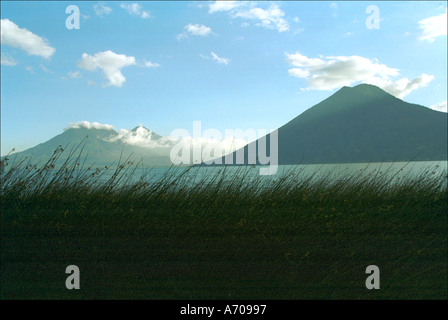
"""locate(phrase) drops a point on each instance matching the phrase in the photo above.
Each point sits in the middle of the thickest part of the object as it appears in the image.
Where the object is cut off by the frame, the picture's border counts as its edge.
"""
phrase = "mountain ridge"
(355, 124)
(101, 147)
(361, 124)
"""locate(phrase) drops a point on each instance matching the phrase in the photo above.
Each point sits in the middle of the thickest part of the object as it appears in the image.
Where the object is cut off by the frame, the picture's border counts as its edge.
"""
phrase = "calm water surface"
(397, 171)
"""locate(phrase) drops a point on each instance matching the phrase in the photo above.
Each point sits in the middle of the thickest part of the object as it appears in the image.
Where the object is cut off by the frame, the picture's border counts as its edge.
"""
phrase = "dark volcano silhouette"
(361, 124)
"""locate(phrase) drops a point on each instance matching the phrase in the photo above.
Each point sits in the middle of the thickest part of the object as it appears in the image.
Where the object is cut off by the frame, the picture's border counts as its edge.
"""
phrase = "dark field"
(292, 239)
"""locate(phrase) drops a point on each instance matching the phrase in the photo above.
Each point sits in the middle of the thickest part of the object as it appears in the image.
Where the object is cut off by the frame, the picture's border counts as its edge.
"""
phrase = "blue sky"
(230, 65)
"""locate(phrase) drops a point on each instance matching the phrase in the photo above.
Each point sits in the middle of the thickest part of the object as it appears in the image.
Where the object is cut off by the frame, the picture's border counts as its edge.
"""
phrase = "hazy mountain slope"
(102, 147)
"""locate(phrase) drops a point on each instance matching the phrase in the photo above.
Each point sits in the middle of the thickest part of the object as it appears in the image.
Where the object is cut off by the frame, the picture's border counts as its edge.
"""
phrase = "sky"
(228, 64)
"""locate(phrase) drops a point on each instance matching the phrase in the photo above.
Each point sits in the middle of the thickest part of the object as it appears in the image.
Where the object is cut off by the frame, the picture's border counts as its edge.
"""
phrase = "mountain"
(142, 131)
(361, 124)
(105, 146)
(356, 124)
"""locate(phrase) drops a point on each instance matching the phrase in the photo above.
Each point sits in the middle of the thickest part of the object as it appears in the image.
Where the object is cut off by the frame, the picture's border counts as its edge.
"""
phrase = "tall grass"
(224, 233)
(23, 182)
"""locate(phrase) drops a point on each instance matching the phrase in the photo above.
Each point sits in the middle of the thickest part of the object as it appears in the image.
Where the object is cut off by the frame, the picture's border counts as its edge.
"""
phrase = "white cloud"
(29, 69)
(195, 30)
(211, 147)
(442, 106)
(136, 10)
(145, 138)
(198, 30)
(90, 125)
(101, 9)
(141, 137)
(45, 69)
(328, 73)
(402, 87)
(271, 18)
(110, 63)
(12, 35)
(150, 64)
(218, 6)
(7, 60)
(75, 75)
(218, 59)
(433, 27)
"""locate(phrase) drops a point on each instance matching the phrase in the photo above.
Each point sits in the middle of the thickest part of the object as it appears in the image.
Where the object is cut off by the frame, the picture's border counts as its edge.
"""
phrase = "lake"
(395, 172)
(239, 175)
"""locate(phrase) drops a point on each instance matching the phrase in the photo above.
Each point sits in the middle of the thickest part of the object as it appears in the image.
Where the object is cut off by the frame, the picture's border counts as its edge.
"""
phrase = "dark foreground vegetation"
(293, 238)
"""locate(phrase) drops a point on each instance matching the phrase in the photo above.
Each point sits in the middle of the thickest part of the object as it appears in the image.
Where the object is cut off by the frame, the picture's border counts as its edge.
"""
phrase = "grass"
(295, 237)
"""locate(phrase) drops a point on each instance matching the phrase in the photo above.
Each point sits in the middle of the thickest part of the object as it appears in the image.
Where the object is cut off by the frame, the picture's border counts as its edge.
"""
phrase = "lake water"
(393, 172)
(194, 176)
